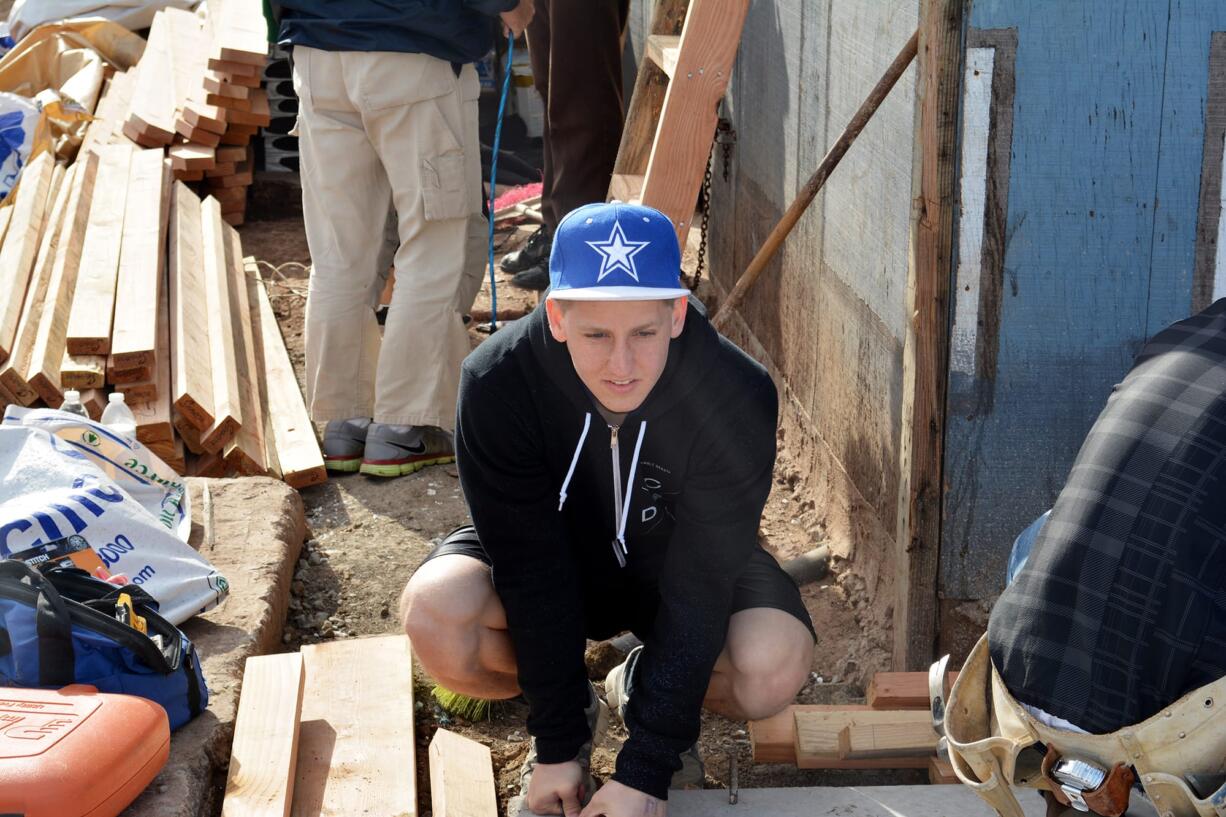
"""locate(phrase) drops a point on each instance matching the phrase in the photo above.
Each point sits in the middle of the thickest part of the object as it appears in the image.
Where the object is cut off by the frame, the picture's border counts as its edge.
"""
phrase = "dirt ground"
(369, 535)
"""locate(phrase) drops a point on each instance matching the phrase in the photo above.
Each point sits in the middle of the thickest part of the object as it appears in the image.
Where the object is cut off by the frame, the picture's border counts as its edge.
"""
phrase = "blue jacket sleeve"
(717, 524)
(514, 507)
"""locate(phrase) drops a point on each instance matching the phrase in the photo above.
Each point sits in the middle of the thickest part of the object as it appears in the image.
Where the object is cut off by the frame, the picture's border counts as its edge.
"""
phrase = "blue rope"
(502, 105)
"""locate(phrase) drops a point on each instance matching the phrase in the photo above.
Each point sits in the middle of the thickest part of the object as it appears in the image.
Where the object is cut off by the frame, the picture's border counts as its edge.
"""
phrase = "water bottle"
(118, 417)
(72, 403)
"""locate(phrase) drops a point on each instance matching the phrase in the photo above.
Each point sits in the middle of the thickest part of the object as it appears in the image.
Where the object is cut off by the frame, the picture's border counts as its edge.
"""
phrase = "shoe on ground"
(598, 722)
(394, 451)
(534, 278)
(618, 686)
(345, 444)
(534, 251)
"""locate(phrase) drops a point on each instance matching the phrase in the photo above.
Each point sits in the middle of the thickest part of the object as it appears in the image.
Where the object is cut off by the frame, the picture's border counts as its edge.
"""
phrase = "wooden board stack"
(893, 730)
(196, 92)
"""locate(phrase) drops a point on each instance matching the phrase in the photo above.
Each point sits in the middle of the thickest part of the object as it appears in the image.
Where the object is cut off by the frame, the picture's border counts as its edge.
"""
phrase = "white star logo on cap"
(617, 253)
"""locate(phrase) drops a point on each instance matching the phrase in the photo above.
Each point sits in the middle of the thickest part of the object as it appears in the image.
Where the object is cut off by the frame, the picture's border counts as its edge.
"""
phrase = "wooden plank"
(259, 115)
(189, 175)
(206, 465)
(228, 414)
(21, 243)
(83, 371)
(246, 453)
(243, 176)
(864, 734)
(625, 187)
(141, 264)
(151, 115)
(193, 157)
(678, 158)
(201, 136)
(774, 738)
(251, 276)
(239, 134)
(461, 777)
(110, 114)
(265, 748)
(234, 70)
(93, 304)
(192, 372)
(216, 82)
(199, 116)
(232, 153)
(189, 434)
(900, 690)
(119, 376)
(94, 401)
(298, 454)
(14, 372)
(662, 49)
(221, 169)
(926, 345)
(145, 391)
(229, 103)
(357, 728)
(647, 99)
(240, 34)
(47, 353)
(233, 218)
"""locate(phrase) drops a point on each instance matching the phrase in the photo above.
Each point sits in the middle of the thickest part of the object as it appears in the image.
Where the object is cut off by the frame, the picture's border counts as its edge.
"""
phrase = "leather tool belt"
(995, 745)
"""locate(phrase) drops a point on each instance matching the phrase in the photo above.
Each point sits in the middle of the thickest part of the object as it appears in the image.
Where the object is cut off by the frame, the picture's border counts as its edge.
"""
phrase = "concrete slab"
(870, 801)
(251, 530)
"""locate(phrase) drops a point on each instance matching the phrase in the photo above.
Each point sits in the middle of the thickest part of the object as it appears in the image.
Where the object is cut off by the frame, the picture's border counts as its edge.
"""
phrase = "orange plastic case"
(76, 752)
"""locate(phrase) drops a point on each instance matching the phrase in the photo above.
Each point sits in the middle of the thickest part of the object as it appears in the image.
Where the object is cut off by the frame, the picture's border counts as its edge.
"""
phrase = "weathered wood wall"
(829, 316)
(1091, 206)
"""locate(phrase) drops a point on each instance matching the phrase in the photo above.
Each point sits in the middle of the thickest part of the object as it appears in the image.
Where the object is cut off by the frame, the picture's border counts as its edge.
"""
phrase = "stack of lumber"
(124, 280)
(196, 92)
(330, 731)
(892, 730)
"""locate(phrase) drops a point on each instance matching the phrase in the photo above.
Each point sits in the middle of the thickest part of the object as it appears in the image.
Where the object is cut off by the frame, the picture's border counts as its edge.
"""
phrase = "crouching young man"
(615, 453)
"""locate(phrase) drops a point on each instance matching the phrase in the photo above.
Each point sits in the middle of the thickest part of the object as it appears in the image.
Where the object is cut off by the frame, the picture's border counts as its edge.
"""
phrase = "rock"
(315, 558)
(258, 529)
(298, 587)
(295, 603)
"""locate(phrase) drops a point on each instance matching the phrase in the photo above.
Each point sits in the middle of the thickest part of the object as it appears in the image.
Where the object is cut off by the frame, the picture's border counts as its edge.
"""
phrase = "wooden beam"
(13, 374)
(298, 453)
(141, 264)
(259, 115)
(709, 43)
(264, 753)
(110, 114)
(662, 49)
(251, 276)
(863, 735)
(246, 453)
(774, 738)
(900, 690)
(357, 727)
(83, 371)
(191, 370)
(206, 465)
(21, 243)
(228, 413)
(926, 344)
(189, 434)
(215, 82)
(151, 115)
(941, 772)
(461, 777)
(94, 401)
(93, 303)
(193, 157)
(119, 377)
(47, 353)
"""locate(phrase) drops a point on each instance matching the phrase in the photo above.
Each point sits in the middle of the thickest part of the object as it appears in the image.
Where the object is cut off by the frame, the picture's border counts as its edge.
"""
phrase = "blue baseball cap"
(615, 252)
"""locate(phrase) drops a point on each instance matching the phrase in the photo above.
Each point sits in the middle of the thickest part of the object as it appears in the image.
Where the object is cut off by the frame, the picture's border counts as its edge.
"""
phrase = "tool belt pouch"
(994, 746)
(59, 628)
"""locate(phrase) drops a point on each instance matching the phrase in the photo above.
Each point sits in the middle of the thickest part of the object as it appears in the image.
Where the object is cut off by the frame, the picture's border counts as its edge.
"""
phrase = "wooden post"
(926, 346)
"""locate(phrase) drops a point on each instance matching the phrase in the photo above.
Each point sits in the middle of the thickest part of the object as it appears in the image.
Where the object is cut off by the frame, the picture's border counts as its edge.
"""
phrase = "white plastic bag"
(131, 14)
(62, 475)
(18, 121)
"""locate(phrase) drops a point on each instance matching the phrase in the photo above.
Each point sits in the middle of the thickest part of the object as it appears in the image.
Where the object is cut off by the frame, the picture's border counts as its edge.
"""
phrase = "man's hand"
(616, 800)
(556, 788)
(517, 19)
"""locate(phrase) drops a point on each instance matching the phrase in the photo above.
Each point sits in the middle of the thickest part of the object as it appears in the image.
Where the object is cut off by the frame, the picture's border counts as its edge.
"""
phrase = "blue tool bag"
(67, 627)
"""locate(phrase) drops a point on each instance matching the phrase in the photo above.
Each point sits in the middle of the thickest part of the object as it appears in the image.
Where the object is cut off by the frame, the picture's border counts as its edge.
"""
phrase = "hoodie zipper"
(615, 452)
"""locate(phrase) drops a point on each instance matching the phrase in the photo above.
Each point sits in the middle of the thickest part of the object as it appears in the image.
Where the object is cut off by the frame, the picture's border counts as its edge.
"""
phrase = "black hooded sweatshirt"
(537, 463)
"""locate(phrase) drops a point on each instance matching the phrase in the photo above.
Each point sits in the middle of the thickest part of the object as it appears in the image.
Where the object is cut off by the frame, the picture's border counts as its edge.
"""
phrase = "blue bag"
(59, 628)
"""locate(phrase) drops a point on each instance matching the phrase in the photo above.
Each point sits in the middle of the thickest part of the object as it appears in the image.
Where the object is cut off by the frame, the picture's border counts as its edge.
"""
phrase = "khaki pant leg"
(345, 199)
(427, 140)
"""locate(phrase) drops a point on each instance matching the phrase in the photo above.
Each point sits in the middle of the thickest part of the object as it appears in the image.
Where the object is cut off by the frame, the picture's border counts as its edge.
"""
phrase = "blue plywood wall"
(1097, 247)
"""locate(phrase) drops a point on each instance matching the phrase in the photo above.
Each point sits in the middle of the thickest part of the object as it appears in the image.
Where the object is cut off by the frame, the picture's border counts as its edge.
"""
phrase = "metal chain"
(705, 198)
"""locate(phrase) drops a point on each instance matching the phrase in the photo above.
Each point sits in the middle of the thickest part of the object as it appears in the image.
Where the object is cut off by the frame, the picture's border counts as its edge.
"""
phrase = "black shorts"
(613, 608)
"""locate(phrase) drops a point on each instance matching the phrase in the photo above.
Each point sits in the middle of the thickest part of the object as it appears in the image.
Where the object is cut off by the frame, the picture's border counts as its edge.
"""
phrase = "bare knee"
(769, 661)
(444, 608)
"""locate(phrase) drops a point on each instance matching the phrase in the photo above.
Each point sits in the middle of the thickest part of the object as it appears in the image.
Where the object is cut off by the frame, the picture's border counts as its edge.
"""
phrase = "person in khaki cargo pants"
(388, 117)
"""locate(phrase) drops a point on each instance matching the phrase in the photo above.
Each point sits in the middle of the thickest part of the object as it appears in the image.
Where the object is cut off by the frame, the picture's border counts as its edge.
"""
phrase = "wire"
(502, 104)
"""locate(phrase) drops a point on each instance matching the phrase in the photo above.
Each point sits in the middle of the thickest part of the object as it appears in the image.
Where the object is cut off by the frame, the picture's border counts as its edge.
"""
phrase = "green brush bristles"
(462, 706)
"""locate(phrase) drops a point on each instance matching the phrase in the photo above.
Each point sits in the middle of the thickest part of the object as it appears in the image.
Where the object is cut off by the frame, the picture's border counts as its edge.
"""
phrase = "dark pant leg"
(539, 52)
(583, 100)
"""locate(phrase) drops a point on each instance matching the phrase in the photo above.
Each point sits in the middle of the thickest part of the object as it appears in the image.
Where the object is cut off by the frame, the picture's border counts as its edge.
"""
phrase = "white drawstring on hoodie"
(634, 464)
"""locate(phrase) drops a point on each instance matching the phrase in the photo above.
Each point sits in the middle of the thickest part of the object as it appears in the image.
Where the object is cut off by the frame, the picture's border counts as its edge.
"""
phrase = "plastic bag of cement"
(67, 482)
(19, 120)
(131, 14)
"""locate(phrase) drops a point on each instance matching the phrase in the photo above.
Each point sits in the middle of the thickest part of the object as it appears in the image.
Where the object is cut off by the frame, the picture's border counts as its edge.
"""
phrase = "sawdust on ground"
(367, 536)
